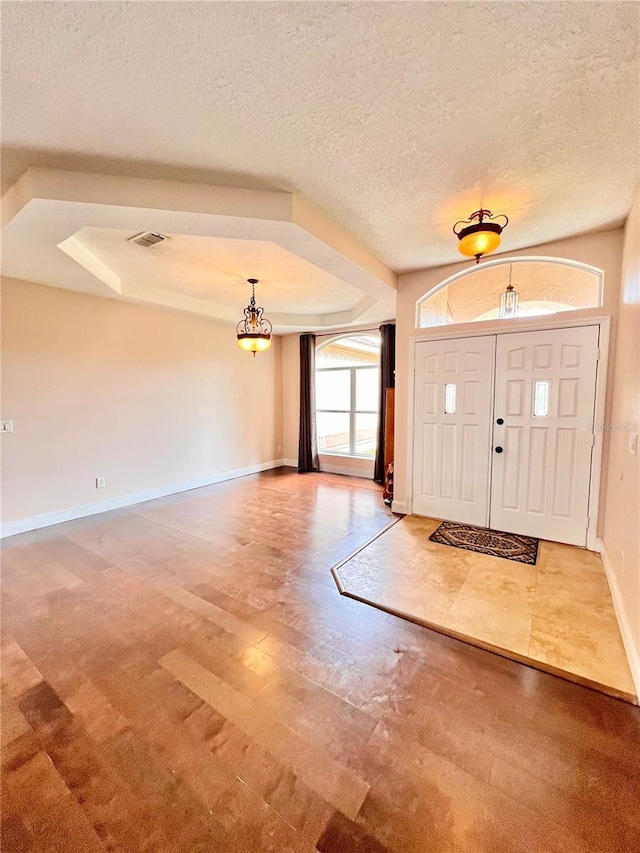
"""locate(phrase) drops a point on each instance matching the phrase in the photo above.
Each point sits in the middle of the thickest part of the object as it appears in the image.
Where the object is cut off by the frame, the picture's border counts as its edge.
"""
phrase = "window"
(541, 399)
(543, 287)
(449, 399)
(347, 390)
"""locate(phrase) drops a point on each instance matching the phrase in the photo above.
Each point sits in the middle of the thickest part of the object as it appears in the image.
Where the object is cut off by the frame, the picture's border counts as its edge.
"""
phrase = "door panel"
(452, 429)
(545, 391)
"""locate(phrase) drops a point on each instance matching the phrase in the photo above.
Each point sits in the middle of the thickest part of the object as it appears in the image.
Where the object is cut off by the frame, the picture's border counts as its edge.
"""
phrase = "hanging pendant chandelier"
(509, 300)
(254, 332)
(480, 234)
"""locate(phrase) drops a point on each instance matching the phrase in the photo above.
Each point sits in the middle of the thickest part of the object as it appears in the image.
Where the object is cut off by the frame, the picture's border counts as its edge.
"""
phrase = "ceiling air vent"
(147, 239)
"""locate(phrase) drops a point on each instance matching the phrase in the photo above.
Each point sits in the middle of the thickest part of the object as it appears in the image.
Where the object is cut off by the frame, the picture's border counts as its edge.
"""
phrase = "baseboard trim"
(290, 463)
(48, 519)
(633, 655)
(400, 507)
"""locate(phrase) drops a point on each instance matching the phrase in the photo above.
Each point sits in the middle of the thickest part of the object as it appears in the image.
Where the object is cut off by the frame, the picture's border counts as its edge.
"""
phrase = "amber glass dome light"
(254, 332)
(480, 233)
(254, 343)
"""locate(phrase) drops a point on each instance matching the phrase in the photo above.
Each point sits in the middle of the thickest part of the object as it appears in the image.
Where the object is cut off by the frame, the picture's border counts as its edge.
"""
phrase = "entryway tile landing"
(556, 616)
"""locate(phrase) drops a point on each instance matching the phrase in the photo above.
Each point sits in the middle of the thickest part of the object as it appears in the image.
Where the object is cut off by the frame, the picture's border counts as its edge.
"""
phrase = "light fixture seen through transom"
(254, 332)
(509, 300)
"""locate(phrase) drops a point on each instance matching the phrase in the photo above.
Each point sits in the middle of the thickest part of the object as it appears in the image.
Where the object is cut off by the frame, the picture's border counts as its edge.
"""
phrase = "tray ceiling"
(72, 230)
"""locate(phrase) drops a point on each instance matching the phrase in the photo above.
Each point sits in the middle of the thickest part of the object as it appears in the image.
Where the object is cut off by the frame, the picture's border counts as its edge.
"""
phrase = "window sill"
(351, 466)
(333, 455)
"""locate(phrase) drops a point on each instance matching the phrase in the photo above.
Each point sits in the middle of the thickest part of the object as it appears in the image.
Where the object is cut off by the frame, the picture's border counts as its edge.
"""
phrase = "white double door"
(503, 431)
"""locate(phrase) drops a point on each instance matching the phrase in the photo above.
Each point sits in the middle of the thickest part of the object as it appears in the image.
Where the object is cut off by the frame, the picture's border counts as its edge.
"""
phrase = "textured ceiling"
(394, 119)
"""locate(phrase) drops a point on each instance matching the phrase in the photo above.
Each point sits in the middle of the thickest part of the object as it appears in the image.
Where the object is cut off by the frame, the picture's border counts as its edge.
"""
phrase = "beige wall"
(144, 397)
(621, 533)
(603, 250)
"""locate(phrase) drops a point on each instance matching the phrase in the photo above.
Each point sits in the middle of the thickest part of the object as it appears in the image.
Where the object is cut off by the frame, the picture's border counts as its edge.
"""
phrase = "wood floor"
(184, 676)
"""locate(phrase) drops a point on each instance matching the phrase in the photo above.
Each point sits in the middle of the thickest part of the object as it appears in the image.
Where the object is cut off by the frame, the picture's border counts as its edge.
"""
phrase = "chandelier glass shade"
(509, 301)
(254, 332)
(480, 234)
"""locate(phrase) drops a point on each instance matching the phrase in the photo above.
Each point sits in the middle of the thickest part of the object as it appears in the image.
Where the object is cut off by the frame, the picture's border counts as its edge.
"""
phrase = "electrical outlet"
(6, 426)
(100, 482)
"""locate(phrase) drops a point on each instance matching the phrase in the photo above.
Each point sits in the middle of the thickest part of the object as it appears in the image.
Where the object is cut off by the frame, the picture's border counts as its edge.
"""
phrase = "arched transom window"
(545, 286)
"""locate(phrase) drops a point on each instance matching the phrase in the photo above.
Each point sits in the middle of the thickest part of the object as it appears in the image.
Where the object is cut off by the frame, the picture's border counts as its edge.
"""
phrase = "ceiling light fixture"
(509, 300)
(254, 332)
(480, 234)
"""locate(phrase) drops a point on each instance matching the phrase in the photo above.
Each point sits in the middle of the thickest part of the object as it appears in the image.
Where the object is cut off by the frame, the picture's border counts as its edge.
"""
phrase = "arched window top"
(348, 350)
(544, 286)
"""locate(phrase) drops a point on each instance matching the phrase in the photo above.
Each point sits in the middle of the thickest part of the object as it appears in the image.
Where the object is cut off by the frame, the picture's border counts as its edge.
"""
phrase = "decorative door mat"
(495, 543)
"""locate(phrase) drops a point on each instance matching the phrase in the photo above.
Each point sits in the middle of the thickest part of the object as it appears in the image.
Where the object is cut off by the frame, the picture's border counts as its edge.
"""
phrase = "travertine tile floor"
(558, 613)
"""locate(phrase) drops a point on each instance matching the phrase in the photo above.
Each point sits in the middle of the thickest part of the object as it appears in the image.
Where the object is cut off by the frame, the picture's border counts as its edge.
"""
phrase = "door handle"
(499, 449)
(500, 421)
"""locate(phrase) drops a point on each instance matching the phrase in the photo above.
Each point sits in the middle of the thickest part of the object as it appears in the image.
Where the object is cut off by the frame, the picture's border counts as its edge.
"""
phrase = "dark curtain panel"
(387, 380)
(308, 444)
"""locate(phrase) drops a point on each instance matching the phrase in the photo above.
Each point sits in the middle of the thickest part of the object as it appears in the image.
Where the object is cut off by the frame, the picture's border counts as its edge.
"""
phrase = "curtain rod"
(350, 331)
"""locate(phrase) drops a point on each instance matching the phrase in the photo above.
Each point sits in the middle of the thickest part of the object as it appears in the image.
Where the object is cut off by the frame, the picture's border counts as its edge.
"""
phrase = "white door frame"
(499, 327)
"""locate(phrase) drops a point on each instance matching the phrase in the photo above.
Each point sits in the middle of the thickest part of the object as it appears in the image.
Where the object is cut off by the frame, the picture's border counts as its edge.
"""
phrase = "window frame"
(352, 411)
(575, 311)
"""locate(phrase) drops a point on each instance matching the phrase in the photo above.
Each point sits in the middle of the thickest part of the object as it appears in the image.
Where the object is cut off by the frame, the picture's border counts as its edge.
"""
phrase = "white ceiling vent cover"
(147, 239)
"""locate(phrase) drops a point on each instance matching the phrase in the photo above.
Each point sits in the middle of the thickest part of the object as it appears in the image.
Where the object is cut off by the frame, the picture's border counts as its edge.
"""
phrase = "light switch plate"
(633, 444)
(6, 426)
